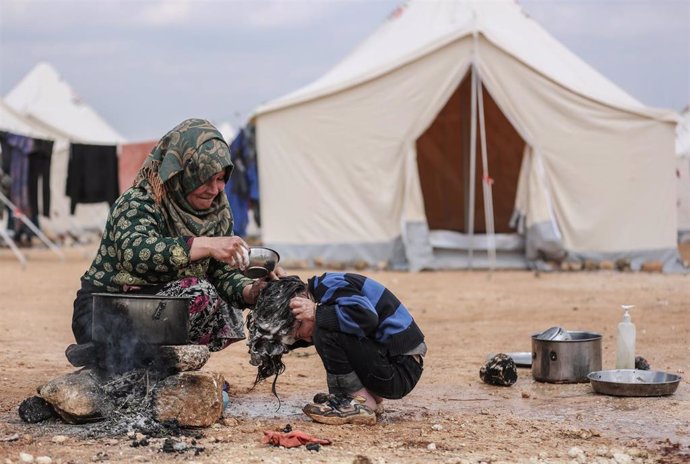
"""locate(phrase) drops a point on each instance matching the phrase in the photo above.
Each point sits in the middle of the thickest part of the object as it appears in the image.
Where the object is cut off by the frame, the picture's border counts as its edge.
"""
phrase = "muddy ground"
(451, 417)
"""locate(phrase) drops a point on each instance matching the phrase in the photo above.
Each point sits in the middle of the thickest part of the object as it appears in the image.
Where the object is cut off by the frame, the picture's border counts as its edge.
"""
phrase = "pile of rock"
(171, 388)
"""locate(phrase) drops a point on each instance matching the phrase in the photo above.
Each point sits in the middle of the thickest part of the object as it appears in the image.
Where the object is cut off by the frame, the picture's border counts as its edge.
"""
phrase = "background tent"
(14, 122)
(376, 159)
(683, 175)
(46, 99)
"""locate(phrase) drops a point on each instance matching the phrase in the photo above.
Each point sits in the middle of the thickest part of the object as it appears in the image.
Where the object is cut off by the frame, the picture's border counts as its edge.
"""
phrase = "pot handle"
(159, 311)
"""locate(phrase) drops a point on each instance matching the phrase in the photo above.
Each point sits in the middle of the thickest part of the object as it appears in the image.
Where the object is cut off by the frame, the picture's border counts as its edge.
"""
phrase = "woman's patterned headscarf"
(184, 159)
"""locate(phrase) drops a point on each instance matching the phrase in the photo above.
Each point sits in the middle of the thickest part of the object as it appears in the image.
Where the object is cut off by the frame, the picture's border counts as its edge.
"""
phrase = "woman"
(171, 234)
(369, 344)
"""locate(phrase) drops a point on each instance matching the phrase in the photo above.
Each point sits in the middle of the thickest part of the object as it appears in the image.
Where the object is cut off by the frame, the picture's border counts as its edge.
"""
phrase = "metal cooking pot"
(144, 319)
(566, 361)
(262, 261)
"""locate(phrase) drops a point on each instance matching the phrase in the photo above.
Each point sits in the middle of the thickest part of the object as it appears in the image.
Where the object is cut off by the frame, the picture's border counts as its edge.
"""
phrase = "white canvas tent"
(381, 158)
(683, 174)
(46, 100)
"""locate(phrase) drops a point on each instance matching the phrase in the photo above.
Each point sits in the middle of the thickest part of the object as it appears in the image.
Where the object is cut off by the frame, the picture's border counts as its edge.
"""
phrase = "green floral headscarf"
(184, 159)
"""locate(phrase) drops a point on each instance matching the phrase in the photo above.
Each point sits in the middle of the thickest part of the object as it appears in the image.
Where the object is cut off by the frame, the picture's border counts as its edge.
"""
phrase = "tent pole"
(487, 182)
(10, 243)
(21, 216)
(473, 162)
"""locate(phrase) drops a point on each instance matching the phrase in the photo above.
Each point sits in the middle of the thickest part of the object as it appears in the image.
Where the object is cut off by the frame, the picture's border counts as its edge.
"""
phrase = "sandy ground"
(451, 417)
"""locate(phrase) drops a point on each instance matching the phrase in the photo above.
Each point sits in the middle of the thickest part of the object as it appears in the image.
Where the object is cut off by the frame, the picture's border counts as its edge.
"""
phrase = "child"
(367, 340)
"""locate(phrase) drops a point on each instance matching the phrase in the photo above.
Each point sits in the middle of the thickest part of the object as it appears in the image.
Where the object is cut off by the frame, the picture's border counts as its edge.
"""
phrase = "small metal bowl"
(634, 382)
(262, 261)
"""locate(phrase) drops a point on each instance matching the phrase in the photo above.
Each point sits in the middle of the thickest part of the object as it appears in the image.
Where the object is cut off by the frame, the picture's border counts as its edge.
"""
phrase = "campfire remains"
(129, 384)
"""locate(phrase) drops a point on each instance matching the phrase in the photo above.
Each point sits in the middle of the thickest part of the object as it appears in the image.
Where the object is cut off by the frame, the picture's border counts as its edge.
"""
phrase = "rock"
(591, 265)
(361, 459)
(35, 409)
(607, 265)
(26, 457)
(59, 439)
(193, 399)
(575, 265)
(577, 454)
(76, 397)
(652, 266)
(641, 363)
(431, 446)
(43, 460)
(181, 358)
(499, 370)
(336, 265)
(295, 264)
(622, 458)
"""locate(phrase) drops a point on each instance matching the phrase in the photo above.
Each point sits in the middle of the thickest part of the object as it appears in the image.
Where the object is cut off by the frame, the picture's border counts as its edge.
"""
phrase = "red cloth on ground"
(291, 439)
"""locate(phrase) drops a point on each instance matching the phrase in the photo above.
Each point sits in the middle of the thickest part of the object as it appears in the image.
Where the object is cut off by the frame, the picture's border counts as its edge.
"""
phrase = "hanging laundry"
(39, 175)
(92, 174)
(242, 189)
(27, 161)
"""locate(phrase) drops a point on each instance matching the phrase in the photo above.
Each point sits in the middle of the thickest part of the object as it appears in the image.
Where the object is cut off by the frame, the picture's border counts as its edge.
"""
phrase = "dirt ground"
(451, 417)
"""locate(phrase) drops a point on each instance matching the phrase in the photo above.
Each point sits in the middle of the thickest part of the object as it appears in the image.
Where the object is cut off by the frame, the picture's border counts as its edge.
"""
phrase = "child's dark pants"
(352, 363)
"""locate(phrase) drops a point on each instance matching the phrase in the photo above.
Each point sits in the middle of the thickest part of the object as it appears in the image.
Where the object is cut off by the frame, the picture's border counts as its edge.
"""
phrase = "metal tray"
(633, 382)
(520, 358)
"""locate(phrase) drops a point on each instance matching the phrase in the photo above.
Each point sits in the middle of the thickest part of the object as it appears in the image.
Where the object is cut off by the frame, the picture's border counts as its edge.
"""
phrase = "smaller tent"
(44, 98)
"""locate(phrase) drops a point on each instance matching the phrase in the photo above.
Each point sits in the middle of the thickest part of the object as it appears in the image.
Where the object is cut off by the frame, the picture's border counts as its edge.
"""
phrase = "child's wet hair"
(270, 321)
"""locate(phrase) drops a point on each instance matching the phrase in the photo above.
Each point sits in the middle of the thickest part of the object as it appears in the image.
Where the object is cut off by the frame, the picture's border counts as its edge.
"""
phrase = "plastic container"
(625, 353)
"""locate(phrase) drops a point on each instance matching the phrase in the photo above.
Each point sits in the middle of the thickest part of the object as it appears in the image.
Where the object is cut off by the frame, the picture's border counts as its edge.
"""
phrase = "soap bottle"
(625, 355)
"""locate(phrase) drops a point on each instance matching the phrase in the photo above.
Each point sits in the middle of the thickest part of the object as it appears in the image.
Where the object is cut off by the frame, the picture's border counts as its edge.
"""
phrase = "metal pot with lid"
(560, 356)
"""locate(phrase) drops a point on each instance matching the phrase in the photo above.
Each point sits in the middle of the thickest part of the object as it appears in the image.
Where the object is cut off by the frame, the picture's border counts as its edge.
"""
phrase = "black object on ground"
(35, 409)
(313, 447)
(500, 371)
(641, 363)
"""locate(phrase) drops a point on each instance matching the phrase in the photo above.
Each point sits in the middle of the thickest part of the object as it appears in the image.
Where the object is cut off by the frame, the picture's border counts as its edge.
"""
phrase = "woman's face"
(202, 197)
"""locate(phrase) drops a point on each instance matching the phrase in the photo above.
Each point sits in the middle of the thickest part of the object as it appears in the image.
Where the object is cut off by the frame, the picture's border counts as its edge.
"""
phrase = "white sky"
(145, 65)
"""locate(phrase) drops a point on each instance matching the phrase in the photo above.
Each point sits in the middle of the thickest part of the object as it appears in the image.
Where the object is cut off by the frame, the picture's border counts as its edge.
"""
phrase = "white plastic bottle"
(625, 356)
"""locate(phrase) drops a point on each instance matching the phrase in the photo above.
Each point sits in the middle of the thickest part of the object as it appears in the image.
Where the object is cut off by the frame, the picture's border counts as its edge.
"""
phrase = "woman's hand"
(276, 273)
(229, 250)
(250, 292)
(303, 308)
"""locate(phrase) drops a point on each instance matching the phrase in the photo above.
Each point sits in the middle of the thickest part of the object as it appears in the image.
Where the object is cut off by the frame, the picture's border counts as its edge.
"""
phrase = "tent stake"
(19, 215)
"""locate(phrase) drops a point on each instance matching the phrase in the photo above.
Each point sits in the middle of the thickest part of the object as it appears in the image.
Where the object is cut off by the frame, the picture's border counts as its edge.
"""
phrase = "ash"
(131, 408)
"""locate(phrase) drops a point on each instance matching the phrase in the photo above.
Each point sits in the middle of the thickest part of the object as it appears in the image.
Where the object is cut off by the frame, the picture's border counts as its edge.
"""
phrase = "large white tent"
(44, 98)
(381, 158)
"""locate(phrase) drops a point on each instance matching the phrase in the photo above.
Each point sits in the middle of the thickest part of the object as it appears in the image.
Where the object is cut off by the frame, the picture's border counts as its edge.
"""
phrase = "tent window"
(443, 158)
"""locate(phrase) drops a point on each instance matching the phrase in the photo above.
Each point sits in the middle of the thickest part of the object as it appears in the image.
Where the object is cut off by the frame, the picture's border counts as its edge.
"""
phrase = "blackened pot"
(144, 319)
(566, 361)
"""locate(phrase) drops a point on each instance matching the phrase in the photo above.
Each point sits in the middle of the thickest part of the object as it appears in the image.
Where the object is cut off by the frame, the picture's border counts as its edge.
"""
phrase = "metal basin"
(139, 319)
(568, 360)
(634, 382)
(262, 261)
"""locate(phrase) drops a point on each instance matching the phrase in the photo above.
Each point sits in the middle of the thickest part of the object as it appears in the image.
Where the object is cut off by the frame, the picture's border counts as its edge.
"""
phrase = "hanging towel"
(20, 147)
(132, 156)
(92, 174)
(39, 174)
